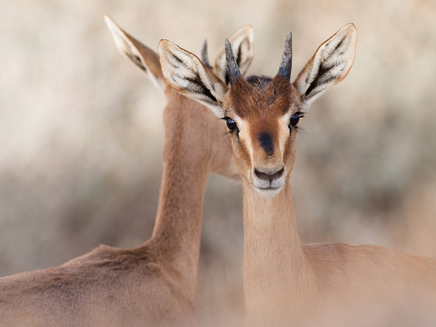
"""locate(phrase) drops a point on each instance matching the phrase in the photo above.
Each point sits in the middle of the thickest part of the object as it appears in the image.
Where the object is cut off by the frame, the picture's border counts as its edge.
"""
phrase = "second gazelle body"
(153, 284)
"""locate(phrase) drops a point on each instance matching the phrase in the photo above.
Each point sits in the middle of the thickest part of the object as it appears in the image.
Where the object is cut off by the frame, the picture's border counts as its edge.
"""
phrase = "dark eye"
(295, 119)
(231, 125)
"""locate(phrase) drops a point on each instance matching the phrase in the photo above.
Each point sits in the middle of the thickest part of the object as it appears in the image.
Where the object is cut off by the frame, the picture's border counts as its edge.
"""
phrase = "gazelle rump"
(154, 284)
(287, 283)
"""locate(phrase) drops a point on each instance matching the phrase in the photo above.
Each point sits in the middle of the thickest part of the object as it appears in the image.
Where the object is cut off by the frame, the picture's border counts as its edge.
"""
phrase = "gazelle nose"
(269, 174)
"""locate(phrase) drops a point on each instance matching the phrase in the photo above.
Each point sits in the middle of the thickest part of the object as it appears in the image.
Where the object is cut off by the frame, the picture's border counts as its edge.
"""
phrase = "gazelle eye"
(295, 119)
(231, 125)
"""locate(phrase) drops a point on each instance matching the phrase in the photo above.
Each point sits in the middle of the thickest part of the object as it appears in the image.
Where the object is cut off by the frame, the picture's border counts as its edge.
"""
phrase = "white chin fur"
(265, 188)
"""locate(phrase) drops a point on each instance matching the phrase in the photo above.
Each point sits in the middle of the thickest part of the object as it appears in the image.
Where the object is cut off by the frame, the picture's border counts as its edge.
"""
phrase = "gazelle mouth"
(270, 188)
(268, 192)
(266, 189)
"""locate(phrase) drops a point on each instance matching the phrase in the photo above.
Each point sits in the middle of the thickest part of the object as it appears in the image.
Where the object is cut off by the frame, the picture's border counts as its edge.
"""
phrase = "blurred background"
(81, 130)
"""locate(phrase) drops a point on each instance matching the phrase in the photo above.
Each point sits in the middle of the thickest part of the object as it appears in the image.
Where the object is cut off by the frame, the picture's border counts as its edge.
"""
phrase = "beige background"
(81, 130)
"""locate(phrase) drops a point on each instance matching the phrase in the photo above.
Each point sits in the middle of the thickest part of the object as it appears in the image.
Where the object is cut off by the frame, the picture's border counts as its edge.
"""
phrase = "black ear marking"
(205, 55)
(137, 61)
(324, 77)
(200, 87)
(341, 42)
(179, 61)
(239, 55)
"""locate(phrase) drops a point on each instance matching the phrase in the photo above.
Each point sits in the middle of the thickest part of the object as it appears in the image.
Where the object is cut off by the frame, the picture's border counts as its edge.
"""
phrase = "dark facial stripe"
(267, 143)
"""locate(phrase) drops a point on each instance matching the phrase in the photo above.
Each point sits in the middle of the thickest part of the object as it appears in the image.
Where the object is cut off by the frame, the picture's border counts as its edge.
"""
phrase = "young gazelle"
(287, 283)
(154, 284)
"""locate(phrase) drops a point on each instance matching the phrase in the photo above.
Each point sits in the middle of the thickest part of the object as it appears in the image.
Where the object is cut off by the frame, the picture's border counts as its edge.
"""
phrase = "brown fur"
(260, 95)
(154, 284)
(260, 99)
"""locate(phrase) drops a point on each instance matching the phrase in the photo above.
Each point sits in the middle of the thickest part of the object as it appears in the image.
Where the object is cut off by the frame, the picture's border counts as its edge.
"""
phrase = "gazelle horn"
(286, 64)
(232, 66)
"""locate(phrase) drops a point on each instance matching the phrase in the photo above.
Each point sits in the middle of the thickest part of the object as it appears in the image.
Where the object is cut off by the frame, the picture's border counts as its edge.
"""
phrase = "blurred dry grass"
(80, 159)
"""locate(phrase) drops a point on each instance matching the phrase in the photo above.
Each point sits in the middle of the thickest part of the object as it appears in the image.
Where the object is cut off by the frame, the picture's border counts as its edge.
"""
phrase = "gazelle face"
(262, 117)
(262, 113)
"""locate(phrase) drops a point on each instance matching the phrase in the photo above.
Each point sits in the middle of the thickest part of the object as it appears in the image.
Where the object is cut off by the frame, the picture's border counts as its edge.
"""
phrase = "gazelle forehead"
(261, 98)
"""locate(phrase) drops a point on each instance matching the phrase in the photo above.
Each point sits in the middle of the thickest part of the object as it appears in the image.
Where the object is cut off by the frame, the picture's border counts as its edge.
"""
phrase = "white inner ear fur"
(127, 48)
(121, 41)
(330, 64)
(187, 74)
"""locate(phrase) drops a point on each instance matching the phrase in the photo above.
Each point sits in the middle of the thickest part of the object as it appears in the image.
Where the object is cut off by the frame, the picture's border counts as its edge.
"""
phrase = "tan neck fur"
(287, 283)
(189, 160)
(275, 268)
(177, 229)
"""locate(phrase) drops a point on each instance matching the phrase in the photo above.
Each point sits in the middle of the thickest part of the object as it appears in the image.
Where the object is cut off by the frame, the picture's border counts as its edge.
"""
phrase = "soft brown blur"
(81, 130)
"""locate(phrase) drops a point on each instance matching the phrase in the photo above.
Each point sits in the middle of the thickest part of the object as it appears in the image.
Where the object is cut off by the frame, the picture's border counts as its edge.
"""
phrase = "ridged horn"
(286, 64)
(232, 66)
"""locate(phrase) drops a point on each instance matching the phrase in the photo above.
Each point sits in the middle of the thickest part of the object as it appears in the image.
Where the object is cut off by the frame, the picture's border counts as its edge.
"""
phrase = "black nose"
(270, 174)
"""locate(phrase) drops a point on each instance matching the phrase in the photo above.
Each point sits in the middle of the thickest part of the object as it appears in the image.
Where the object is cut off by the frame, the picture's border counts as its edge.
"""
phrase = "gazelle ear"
(205, 56)
(242, 45)
(141, 55)
(189, 76)
(330, 64)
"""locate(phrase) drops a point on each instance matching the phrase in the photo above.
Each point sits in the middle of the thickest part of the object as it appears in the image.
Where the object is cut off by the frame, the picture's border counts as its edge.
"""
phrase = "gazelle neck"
(275, 269)
(177, 232)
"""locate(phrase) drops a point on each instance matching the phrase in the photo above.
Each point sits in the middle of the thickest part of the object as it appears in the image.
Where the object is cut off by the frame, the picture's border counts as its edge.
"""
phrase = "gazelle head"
(206, 135)
(261, 113)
